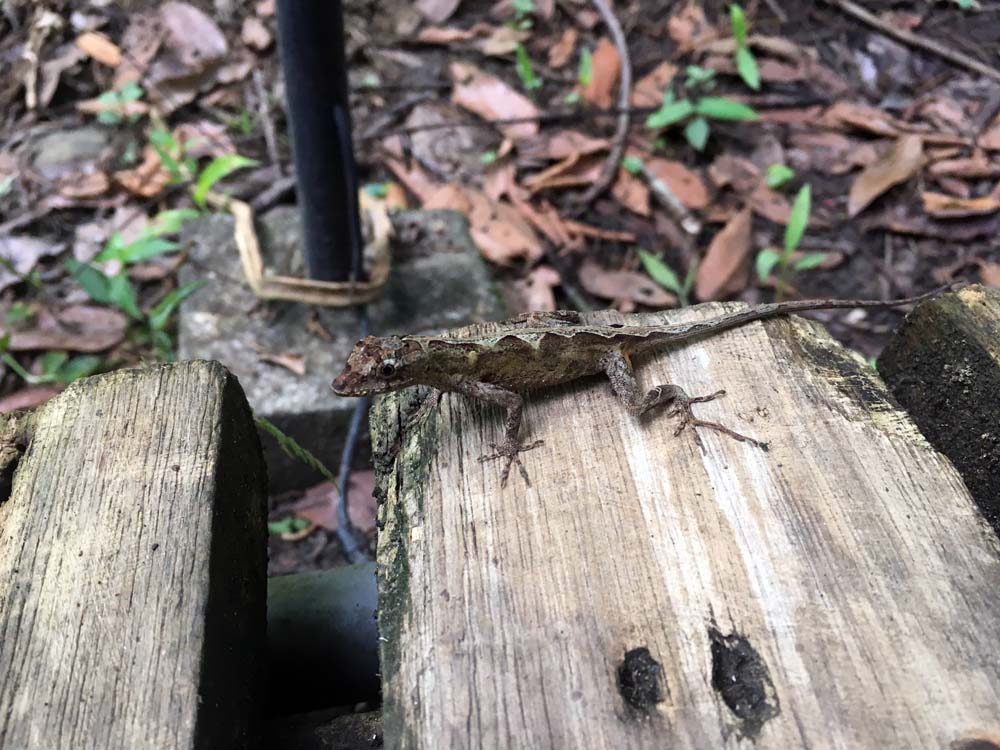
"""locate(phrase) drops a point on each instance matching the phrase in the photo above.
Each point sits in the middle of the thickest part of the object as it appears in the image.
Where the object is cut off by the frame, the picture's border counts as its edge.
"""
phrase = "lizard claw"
(510, 451)
(682, 406)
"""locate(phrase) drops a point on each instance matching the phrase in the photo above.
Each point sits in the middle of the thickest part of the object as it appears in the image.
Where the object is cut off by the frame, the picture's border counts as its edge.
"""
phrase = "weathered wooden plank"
(838, 591)
(133, 566)
(943, 365)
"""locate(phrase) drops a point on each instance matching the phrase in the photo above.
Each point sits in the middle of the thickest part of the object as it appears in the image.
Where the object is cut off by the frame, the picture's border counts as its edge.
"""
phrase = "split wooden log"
(133, 565)
(943, 365)
(653, 590)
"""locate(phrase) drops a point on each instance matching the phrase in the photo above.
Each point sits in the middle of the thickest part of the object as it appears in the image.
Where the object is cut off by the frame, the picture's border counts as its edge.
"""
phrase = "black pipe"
(311, 37)
(322, 639)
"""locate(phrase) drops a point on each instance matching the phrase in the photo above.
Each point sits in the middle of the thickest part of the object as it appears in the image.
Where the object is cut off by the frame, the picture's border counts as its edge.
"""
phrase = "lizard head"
(376, 365)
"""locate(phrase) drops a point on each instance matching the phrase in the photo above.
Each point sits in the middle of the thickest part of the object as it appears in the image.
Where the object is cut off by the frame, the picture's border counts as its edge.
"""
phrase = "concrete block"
(438, 281)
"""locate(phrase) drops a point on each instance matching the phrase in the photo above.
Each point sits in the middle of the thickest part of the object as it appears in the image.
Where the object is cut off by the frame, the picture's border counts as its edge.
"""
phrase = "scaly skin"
(538, 350)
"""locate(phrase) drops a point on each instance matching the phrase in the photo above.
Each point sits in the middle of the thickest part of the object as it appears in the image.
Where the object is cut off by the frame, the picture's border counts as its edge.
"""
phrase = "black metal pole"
(311, 37)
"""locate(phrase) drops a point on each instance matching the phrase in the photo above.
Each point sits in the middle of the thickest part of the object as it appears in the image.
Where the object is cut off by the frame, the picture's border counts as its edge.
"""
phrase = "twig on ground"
(778, 11)
(678, 211)
(908, 37)
(275, 192)
(611, 165)
(266, 121)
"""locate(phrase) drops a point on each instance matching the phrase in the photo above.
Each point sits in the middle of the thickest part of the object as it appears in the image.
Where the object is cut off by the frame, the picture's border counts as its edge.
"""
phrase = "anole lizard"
(544, 349)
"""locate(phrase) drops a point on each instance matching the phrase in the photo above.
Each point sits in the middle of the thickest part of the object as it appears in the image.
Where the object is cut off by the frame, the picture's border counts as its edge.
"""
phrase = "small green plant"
(244, 123)
(584, 75)
(525, 70)
(769, 258)
(663, 275)
(7, 184)
(746, 63)
(184, 168)
(293, 449)
(117, 290)
(696, 76)
(115, 104)
(488, 158)
(778, 175)
(287, 525)
(632, 165)
(377, 189)
(57, 367)
(696, 115)
(523, 12)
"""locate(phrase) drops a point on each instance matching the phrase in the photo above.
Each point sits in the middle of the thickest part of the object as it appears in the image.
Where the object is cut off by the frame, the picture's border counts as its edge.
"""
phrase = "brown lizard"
(538, 350)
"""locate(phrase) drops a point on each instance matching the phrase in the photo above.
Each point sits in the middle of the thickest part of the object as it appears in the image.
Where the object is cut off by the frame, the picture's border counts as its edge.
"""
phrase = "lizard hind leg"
(618, 368)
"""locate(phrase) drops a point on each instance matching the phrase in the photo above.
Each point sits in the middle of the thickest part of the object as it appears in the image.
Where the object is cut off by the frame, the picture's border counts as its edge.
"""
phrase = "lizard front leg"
(514, 405)
(618, 368)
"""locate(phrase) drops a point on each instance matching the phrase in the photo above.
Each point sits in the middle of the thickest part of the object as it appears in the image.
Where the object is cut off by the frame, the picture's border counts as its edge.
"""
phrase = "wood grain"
(837, 591)
(943, 366)
(132, 567)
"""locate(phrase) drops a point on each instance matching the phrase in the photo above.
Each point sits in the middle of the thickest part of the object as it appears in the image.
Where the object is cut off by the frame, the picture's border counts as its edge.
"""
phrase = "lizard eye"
(388, 369)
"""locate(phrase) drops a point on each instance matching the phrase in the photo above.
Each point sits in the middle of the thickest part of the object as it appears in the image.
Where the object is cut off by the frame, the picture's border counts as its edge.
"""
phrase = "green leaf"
(377, 189)
(165, 146)
(287, 525)
(142, 249)
(766, 260)
(698, 76)
(809, 260)
(739, 22)
(108, 117)
(51, 362)
(94, 283)
(525, 70)
(632, 164)
(778, 175)
(488, 157)
(6, 184)
(573, 97)
(669, 114)
(215, 171)
(13, 364)
(18, 313)
(78, 367)
(524, 7)
(130, 92)
(746, 64)
(660, 272)
(122, 295)
(160, 314)
(799, 218)
(696, 133)
(585, 73)
(171, 222)
(723, 109)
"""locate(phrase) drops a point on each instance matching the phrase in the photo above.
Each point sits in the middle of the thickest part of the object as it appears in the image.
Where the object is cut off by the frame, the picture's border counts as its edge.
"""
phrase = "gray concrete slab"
(438, 281)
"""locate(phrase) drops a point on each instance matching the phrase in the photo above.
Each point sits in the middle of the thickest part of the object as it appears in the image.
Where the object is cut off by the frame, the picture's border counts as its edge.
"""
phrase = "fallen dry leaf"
(772, 205)
(834, 153)
(977, 165)
(84, 186)
(734, 171)
(606, 68)
(191, 52)
(492, 99)
(989, 274)
(903, 220)
(648, 90)
(414, 178)
(562, 51)
(586, 230)
(944, 113)
(631, 192)
(689, 28)
(954, 186)
(81, 328)
(20, 254)
(623, 285)
(942, 206)
(255, 34)
(561, 144)
(451, 197)
(66, 56)
(291, 361)
(990, 138)
(446, 34)
(548, 221)
(204, 138)
(570, 172)
(265, 8)
(725, 268)
(536, 290)
(319, 503)
(146, 180)
(898, 165)
(861, 117)
(100, 48)
(501, 235)
(125, 110)
(686, 184)
(27, 398)
(502, 40)
(437, 11)
(502, 180)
